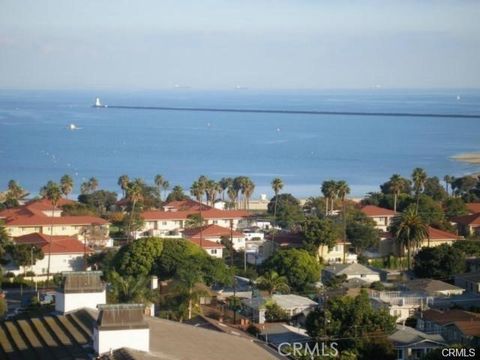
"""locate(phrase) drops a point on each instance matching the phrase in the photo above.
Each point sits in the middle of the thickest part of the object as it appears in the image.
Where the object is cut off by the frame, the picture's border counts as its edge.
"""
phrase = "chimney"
(119, 326)
(80, 289)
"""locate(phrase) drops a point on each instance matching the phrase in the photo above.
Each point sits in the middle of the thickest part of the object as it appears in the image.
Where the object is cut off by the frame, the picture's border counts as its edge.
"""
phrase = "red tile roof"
(436, 234)
(182, 215)
(33, 214)
(189, 204)
(206, 244)
(45, 204)
(473, 219)
(448, 316)
(372, 210)
(211, 231)
(59, 244)
(468, 328)
(473, 207)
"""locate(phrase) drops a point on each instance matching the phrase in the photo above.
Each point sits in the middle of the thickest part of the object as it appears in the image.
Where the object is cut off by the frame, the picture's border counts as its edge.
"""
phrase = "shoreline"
(470, 157)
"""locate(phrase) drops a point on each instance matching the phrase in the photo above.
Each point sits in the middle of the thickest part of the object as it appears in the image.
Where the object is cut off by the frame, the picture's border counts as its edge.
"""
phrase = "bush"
(274, 312)
(253, 330)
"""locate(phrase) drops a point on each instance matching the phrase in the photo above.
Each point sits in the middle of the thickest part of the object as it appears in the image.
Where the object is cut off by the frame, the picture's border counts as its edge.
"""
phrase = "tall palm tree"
(225, 183)
(329, 189)
(272, 282)
(188, 283)
(134, 194)
(248, 191)
(419, 176)
(159, 182)
(53, 193)
(165, 186)
(202, 183)
(66, 185)
(396, 187)
(15, 192)
(93, 184)
(123, 183)
(238, 185)
(448, 180)
(232, 195)
(131, 289)
(409, 230)
(277, 186)
(343, 190)
(196, 191)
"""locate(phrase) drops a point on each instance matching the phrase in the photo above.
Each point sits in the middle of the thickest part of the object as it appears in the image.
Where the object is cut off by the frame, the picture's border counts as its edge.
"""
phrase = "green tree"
(299, 267)
(317, 232)
(15, 193)
(419, 176)
(314, 206)
(194, 221)
(123, 182)
(176, 194)
(134, 195)
(289, 212)
(196, 191)
(440, 262)
(25, 255)
(160, 184)
(66, 185)
(225, 183)
(350, 320)
(434, 189)
(362, 235)
(454, 207)
(448, 180)
(396, 185)
(343, 190)
(100, 200)
(471, 248)
(273, 312)
(409, 231)
(130, 289)
(272, 282)
(138, 257)
(329, 190)
(53, 193)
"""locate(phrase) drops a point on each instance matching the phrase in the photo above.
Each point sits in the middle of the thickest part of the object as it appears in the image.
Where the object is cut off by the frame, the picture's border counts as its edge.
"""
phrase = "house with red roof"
(215, 233)
(382, 217)
(473, 208)
(468, 224)
(67, 254)
(435, 237)
(174, 215)
(39, 216)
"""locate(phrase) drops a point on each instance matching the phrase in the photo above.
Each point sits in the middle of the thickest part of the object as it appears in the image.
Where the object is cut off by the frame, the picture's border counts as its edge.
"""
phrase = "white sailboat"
(98, 103)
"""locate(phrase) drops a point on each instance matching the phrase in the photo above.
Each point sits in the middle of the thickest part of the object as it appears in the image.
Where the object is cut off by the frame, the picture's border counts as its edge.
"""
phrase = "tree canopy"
(289, 212)
(440, 262)
(317, 232)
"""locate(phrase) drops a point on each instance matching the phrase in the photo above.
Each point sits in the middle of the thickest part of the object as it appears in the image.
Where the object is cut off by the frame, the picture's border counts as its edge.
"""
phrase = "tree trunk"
(408, 256)
(50, 247)
(395, 203)
(190, 304)
(130, 221)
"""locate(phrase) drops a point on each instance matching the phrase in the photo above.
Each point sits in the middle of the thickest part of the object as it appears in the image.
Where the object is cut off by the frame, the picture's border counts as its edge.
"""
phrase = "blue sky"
(213, 44)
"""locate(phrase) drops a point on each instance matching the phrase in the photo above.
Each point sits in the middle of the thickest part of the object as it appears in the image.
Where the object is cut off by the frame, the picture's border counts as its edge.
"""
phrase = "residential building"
(473, 208)
(432, 287)
(216, 233)
(412, 344)
(173, 218)
(257, 251)
(290, 303)
(468, 225)
(468, 281)
(452, 324)
(336, 253)
(38, 217)
(382, 217)
(78, 290)
(211, 248)
(401, 304)
(67, 254)
(351, 271)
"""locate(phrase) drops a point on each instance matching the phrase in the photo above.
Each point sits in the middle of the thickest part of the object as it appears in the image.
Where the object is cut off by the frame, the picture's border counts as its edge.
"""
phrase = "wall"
(58, 263)
(73, 301)
(106, 340)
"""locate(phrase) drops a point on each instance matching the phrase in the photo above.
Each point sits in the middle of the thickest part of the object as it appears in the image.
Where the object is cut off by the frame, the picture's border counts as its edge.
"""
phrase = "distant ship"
(73, 127)
(98, 103)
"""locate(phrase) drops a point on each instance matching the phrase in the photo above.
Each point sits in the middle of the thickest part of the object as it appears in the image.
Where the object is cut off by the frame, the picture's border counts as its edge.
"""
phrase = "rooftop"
(183, 214)
(121, 316)
(469, 328)
(82, 282)
(448, 316)
(405, 335)
(473, 219)
(55, 244)
(285, 301)
(473, 276)
(430, 286)
(372, 210)
(212, 231)
(350, 269)
(473, 207)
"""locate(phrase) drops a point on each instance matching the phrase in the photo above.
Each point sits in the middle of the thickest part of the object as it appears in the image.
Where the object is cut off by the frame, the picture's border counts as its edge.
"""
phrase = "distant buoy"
(459, 98)
(278, 129)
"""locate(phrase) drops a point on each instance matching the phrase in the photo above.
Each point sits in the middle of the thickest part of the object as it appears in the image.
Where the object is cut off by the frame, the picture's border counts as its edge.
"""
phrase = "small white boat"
(459, 98)
(73, 127)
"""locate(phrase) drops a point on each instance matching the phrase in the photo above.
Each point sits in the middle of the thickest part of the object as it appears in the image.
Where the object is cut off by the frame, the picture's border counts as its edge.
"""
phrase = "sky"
(261, 44)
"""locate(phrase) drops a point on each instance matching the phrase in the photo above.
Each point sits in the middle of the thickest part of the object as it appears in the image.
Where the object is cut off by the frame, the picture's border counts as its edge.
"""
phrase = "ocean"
(36, 144)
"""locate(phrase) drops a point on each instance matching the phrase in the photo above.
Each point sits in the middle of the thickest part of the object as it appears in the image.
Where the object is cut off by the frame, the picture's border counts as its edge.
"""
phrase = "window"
(213, 251)
(363, 275)
(215, 222)
(399, 354)
(164, 223)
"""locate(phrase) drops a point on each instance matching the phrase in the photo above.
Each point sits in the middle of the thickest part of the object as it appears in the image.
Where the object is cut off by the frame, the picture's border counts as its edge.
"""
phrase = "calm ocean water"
(304, 150)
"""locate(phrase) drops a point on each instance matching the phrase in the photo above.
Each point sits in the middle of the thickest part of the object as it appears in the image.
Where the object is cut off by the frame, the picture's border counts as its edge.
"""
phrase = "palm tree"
(189, 283)
(448, 180)
(329, 191)
(272, 282)
(419, 176)
(196, 191)
(277, 186)
(224, 184)
(248, 191)
(159, 182)
(343, 190)
(93, 184)
(123, 183)
(202, 183)
(212, 188)
(232, 195)
(165, 186)
(396, 186)
(131, 289)
(238, 185)
(66, 185)
(53, 193)
(134, 194)
(409, 230)
(15, 192)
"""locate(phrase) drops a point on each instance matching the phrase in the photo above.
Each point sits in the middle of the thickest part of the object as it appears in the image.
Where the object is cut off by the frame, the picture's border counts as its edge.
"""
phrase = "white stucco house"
(351, 271)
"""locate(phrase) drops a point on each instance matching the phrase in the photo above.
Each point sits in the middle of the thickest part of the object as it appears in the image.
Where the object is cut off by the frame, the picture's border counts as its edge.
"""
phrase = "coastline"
(470, 157)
